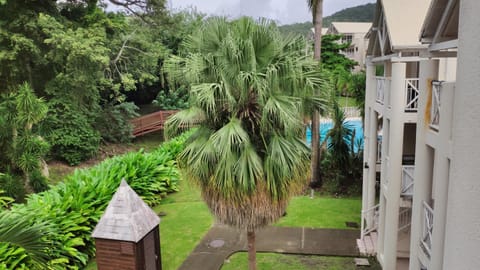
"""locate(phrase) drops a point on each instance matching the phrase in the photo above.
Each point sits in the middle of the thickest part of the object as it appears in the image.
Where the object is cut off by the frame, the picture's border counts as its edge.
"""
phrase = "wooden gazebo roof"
(127, 217)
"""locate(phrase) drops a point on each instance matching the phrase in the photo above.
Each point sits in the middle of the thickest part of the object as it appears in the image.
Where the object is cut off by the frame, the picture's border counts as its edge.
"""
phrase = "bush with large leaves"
(61, 219)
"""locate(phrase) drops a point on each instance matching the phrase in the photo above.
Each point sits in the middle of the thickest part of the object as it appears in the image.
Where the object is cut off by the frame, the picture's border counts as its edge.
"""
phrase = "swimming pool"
(326, 126)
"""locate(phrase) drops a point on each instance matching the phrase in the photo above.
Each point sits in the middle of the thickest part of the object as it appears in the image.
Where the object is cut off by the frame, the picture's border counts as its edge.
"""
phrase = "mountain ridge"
(361, 13)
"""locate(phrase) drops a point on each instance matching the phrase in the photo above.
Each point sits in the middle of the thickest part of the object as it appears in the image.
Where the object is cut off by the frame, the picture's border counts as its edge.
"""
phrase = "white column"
(423, 161)
(440, 178)
(395, 153)
(372, 163)
(369, 139)
(462, 235)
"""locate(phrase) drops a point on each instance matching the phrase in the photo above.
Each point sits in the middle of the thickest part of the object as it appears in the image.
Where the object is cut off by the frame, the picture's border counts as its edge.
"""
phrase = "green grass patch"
(346, 102)
(321, 212)
(187, 220)
(239, 261)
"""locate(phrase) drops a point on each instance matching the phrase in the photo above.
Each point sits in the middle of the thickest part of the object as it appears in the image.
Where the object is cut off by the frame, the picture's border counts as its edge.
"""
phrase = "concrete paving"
(209, 255)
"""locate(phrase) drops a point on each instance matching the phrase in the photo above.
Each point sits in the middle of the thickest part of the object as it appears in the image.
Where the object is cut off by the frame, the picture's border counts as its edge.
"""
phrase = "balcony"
(435, 106)
(411, 94)
(427, 229)
(407, 180)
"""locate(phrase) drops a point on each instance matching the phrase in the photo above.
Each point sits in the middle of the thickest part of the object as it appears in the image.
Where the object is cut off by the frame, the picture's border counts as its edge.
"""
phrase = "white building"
(353, 33)
(391, 105)
(429, 213)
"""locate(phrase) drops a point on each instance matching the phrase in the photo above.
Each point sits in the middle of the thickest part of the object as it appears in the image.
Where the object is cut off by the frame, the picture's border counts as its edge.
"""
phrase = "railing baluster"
(411, 94)
(427, 230)
(435, 107)
(407, 180)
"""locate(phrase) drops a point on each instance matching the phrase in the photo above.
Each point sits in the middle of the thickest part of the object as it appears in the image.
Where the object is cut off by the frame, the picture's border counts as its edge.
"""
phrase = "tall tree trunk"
(315, 161)
(252, 255)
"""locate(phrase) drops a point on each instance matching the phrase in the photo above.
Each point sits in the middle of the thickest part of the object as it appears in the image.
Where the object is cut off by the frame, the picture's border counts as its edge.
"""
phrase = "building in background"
(354, 34)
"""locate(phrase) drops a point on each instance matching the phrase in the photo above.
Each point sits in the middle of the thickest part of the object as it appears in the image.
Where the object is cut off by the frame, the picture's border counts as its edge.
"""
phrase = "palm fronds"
(250, 87)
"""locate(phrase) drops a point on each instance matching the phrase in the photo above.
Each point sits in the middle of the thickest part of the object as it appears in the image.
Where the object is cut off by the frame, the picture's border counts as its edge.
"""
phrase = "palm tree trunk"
(315, 161)
(252, 256)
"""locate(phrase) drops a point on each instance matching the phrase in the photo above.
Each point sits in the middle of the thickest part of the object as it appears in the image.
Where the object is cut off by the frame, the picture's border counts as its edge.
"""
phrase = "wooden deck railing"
(150, 122)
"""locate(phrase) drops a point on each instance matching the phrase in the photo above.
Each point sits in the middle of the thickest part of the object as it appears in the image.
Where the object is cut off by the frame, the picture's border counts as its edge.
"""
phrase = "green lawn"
(238, 261)
(187, 220)
(346, 102)
(321, 212)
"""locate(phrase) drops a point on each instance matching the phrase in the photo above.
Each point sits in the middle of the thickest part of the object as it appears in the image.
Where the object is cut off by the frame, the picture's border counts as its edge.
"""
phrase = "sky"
(282, 11)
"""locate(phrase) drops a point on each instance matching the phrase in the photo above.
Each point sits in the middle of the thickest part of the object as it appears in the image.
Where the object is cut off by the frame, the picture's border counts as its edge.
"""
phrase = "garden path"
(222, 241)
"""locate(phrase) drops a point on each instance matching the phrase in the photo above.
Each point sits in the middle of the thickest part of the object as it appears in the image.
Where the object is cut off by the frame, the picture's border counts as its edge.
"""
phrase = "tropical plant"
(316, 7)
(24, 149)
(357, 90)
(4, 200)
(53, 229)
(342, 163)
(248, 89)
(339, 138)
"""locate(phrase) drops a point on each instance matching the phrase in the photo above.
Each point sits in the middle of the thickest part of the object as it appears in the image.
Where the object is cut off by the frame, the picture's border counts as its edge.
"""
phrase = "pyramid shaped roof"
(127, 217)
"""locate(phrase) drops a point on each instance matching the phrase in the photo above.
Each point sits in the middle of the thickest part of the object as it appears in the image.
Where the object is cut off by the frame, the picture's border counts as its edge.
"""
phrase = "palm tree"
(249, 86)
(316, 6)
(19, 232)
(339, 137)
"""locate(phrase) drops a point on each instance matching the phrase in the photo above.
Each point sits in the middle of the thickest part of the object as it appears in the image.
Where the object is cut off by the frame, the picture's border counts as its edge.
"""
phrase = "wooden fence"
(150, 122)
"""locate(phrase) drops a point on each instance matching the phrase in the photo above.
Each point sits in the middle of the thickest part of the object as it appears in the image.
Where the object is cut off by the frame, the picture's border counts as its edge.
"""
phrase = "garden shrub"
(38, 182)
(114, 122)
(70, 134)
(12, 186)
(72, 208)
(172, 100)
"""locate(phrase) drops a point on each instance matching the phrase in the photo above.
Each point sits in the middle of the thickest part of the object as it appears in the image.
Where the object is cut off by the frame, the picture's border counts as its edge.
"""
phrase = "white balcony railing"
(407, 180)
(370, 219)
(411, 94)
(380, 89)
(435, 106)
(350, 112)
(404, 218)
(427, 229)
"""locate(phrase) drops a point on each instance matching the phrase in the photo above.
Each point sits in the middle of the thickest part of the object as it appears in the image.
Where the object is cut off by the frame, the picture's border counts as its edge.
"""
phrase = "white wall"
(462, 237)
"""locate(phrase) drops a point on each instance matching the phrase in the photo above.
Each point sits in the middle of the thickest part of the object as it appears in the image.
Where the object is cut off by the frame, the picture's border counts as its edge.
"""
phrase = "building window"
(347, 39)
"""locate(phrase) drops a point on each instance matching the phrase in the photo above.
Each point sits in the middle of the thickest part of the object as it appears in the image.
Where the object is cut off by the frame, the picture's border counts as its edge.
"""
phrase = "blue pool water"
(326, 126)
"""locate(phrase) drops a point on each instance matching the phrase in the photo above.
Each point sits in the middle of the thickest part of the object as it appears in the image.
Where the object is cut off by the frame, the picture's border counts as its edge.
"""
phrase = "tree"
(24, 149)
(248, 154)
(332, 58)
(316, 6)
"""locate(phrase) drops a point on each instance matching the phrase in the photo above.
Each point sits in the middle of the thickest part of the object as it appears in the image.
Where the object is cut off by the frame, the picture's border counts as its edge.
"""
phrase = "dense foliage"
(58, 222)
(83, 63)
